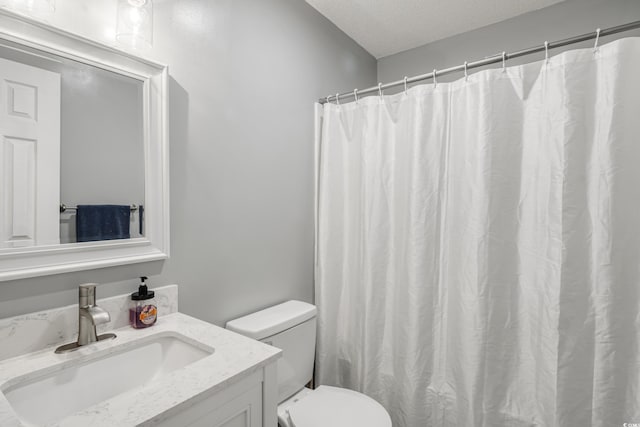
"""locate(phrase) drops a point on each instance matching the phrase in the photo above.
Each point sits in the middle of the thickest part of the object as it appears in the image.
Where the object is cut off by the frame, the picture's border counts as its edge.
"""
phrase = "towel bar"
(64, 208)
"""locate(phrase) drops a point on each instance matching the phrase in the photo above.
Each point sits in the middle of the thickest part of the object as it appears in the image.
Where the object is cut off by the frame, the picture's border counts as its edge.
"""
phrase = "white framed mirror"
(84, 168)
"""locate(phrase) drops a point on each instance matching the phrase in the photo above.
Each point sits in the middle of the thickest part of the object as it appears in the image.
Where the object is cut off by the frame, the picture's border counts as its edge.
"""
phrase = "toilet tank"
(291, 327)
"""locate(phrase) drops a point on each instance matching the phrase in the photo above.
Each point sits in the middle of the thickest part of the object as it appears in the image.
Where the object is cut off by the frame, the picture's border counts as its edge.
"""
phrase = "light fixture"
(135, 23)
(36, 8)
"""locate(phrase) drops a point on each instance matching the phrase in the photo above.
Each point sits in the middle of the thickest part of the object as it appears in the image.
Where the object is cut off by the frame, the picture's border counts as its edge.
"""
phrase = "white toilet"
(291, 326)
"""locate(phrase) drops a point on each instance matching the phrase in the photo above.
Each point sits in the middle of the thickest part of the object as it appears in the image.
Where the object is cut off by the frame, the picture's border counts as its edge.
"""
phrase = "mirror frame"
(20, 263)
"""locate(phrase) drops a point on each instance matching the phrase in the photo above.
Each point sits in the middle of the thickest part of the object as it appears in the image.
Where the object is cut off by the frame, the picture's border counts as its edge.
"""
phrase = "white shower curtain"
(478, 246)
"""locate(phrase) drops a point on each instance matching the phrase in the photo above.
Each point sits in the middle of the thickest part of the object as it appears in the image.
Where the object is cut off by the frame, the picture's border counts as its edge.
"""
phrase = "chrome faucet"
(89, 316)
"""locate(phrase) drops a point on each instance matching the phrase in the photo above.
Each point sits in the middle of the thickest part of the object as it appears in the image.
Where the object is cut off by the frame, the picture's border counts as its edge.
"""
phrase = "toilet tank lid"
(273, 320)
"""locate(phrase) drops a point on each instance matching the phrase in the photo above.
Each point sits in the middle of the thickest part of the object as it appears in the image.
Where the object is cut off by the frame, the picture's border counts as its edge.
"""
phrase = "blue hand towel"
(102, 222)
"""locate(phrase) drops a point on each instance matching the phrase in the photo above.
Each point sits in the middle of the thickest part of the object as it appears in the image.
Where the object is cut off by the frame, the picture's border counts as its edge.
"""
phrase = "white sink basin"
(55, 395)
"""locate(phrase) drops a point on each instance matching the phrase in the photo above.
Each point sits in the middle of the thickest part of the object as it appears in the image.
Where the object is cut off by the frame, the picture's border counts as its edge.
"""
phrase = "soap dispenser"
(143, 311)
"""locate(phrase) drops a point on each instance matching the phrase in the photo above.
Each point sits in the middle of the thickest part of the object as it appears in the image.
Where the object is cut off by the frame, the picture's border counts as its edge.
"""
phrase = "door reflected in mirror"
(72, 160)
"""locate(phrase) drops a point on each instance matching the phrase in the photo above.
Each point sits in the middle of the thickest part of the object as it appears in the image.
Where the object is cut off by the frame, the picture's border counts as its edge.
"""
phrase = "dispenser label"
(148, 314)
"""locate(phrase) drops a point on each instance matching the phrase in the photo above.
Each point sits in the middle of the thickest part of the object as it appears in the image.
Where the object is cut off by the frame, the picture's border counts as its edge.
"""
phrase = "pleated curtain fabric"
(478, 245)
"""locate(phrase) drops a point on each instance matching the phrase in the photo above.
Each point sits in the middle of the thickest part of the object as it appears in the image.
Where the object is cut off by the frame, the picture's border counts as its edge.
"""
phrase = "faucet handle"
(87, 294)
(98, 315)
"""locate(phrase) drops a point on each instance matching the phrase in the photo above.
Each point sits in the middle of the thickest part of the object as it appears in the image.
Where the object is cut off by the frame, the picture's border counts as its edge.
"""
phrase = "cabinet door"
(239, 405)
(243, 411)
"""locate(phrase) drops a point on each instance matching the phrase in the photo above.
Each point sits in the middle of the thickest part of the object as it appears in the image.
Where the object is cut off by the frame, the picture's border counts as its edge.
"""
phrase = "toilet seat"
(335, 407)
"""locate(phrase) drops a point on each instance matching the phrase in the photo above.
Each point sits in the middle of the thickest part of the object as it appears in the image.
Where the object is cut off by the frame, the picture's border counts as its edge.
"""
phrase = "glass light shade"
(36, 8)
(135, 23)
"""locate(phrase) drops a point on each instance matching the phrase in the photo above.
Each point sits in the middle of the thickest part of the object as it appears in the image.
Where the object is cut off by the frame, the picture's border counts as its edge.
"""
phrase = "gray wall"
(559, 21)
(101, 150)
(244, 76)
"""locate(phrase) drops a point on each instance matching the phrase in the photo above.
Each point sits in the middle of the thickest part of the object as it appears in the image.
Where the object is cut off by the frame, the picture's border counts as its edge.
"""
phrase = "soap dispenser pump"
(143, 311)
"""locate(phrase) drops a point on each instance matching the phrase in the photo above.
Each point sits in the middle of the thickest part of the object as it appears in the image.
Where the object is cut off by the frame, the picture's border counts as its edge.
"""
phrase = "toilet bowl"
(291, 326)
(331, 406)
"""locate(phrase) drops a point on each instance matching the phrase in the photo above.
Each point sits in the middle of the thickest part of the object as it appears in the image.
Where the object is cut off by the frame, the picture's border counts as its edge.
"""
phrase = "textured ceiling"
(385, 27)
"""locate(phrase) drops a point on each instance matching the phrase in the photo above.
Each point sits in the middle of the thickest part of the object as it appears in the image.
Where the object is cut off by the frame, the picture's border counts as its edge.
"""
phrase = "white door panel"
(29, 155)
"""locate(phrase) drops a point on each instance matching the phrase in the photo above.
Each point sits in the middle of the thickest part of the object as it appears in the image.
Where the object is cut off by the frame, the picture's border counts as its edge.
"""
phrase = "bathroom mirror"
(83, 161)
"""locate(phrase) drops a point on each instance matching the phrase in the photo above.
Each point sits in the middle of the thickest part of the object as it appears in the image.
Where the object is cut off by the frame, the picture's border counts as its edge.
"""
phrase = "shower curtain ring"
(380, 90)
(504, 61)
(466, 74)
(327, 99)
(435, 79)
(546, 53)
(355, 94)
(405, 85)
(337, 98)
(595, 46)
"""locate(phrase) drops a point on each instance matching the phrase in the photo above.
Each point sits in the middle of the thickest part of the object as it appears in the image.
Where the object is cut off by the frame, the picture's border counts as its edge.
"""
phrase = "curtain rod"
(487, 61)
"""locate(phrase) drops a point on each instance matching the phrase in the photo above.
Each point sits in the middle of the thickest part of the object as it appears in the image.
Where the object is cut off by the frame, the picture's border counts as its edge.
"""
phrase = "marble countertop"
(235, 357)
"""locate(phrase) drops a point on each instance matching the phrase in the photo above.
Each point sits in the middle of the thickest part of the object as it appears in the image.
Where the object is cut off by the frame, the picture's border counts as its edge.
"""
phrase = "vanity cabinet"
(251, 402)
